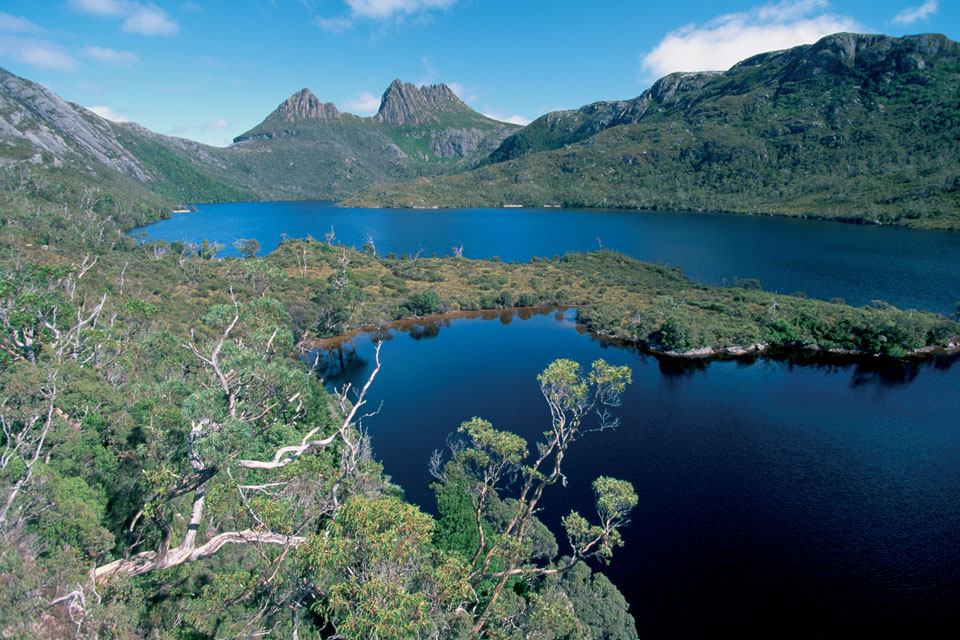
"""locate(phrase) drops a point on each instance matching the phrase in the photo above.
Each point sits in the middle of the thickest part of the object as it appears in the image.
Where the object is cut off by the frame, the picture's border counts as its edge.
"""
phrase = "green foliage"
(423, 303)
(248, 247)
(373, 572)
(598, 604)
(870, 141)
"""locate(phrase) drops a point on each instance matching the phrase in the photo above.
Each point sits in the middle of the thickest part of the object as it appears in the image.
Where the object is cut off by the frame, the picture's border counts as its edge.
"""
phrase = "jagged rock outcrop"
(303, 104)
(405, 104)
(309, 149)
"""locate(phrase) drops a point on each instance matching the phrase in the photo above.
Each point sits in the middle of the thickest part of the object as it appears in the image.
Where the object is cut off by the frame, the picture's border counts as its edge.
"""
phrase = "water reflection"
(335, 359)
(820, 490)
(907, 268)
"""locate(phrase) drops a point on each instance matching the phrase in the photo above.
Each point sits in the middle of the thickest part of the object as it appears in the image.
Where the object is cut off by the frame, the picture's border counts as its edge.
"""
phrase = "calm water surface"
(776, 498)
(859, 263)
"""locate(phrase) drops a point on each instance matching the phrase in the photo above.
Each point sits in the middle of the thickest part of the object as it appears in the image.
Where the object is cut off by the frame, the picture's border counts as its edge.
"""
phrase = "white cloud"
(14, 24)
(100, 7)
(365, 104)
(514, 119)
(42, 54)
(150, 20)
(467, 94)
(144, 19)
(110, 56)
(429, 71)
(217, 125)
(915, 14)
(383, 9)
(109, 114)
(333, 25)
(730, 38)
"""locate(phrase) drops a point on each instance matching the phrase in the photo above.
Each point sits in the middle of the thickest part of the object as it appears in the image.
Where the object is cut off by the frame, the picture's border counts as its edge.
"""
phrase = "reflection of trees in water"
(886, 375)
(425, 331)
(884, 372)
(680, 367)
(339, 362)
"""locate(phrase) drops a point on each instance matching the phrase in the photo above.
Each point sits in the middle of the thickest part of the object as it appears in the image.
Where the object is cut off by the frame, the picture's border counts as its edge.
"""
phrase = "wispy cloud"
(16, 24)
(333, 25)
(217, 125)
(915, 14)
(365, 104)
(467, 94)
(38, 53)
(150, 20)
(380, 11)
(429, 71)
(730, 38)
(100, 7)
(109, 114)
(110, 56)
(384, 9)
(514, 119)
(141, 18)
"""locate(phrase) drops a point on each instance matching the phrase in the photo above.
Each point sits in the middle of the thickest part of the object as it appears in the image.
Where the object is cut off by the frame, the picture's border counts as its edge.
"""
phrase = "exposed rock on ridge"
(36, 117)
(872, 58)
(405, 104)
(303, 104)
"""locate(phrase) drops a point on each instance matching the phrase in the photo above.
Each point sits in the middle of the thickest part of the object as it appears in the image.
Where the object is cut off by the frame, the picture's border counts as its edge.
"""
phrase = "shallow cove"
(906, 267)
(776, 497)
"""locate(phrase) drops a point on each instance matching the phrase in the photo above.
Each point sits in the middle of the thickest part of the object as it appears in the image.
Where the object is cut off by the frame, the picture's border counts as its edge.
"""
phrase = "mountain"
(309, 149)
(305, 149)
(856, 127)
(42, 132)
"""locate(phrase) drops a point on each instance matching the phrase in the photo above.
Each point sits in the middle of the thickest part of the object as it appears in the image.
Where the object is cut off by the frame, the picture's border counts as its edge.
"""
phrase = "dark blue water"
(777, 499)
(908, 268)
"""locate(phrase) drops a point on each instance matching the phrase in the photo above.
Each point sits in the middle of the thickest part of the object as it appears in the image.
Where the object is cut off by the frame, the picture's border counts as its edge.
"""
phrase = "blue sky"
(209, 70)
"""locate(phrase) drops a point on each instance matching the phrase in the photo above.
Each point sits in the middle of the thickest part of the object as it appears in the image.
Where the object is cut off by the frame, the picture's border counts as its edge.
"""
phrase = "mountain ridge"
(309, 149)
(853, 127)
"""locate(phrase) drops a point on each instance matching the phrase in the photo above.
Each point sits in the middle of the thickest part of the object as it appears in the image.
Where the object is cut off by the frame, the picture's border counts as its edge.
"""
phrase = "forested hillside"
(172, 468)
(855, 127)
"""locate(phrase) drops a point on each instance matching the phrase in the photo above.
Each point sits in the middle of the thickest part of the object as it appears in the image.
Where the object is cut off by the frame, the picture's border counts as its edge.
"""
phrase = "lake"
(906, 267)
(789, 498)
(777, 498)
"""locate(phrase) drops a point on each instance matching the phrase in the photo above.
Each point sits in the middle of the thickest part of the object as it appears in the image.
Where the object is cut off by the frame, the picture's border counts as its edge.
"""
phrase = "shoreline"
(900, 222)
(766, 350)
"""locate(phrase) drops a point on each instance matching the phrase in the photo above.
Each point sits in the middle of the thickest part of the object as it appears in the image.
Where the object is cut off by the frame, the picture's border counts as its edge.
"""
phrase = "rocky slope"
(309, 149)
(305, 149)
(855, 127)
(42, 131)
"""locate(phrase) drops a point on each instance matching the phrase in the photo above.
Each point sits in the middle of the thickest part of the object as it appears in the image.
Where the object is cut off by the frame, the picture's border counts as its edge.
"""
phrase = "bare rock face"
(58, 129)
(405, 104)
(303, 104)
(871, 56)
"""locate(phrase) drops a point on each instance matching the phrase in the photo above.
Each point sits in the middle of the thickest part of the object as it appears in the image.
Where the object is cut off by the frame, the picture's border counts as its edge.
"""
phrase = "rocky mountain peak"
(303, 105)
(874, 56)
(404, 103)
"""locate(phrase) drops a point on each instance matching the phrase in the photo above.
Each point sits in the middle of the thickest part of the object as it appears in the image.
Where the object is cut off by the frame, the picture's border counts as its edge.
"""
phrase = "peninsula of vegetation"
(168, 459)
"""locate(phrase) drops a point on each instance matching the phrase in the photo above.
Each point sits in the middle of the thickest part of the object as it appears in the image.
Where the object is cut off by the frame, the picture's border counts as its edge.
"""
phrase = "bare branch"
(286, 455)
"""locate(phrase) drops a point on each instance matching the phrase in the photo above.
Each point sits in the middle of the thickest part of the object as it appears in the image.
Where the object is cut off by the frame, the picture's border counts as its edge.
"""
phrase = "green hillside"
(855, 127)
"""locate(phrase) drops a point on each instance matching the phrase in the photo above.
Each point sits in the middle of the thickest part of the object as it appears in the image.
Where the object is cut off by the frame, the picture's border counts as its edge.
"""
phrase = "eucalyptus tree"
(487, 459)
(246, 416)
